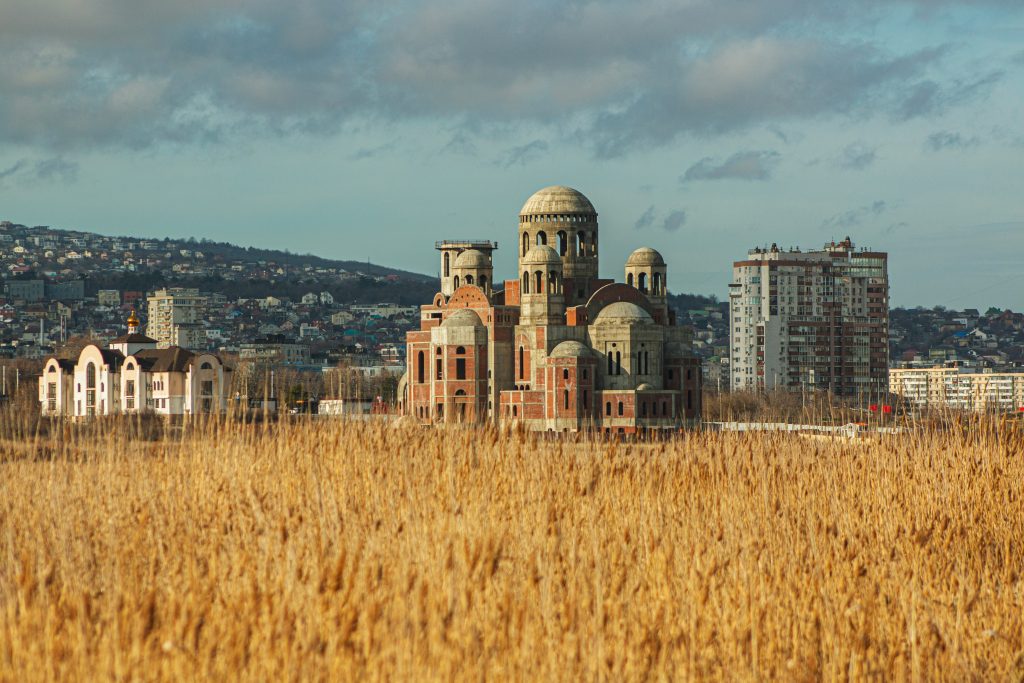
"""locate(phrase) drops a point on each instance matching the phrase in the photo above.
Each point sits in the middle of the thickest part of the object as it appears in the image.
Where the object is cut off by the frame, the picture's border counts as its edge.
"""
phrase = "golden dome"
(133, 320)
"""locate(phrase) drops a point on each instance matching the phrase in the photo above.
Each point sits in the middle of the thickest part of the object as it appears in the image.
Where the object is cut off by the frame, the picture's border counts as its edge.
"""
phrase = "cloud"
(945, 139)
(370, 152)
(930, 98)
(524, 154)
(748, 165)
(674, 221)
(646, 219)
(25, 171)
(460, 143)
(143, 73)
(857, 156)
(856, 217)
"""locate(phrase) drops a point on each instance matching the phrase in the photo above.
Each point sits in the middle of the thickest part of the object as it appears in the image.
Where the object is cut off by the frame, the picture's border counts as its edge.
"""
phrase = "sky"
(369, 129)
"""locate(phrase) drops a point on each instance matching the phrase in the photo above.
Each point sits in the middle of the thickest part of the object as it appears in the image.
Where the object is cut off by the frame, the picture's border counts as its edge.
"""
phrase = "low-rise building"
(133, 376)
(959, 388)
(275, 348)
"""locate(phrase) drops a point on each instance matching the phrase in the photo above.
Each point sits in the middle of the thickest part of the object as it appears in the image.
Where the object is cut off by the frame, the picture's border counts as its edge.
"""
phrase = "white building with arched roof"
(133, 376)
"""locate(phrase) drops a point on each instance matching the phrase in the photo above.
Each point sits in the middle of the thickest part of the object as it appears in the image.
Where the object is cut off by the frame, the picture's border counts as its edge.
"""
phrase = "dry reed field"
(360, 551)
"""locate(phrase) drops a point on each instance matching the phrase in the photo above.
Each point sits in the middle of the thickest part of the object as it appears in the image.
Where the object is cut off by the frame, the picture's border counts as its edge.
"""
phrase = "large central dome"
(557, 199)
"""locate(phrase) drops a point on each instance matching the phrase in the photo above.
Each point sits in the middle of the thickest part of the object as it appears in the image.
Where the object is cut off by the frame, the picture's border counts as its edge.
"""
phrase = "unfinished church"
(558, 348)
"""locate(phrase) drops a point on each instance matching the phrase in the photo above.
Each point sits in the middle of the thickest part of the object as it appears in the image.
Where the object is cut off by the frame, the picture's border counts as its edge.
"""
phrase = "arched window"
(456, 282)
(657, 287)
(460, 351)
(563, 243)
(447, 262)
(205, 366)
(611, 363)
(483, 282)
(565, 373)
(565, 395)
(522, 357)
(618, 362)
(438, 364)
(526, 282)
(515, 410)
(643, 282)
(420, 369)
(90, 376)
(629, 279)
(553, 282)
(581, 243)
(128, 366)
(526, 242)
(542, 238)
(469, 279)
(538, 282)
(620, 408)
(608, 408)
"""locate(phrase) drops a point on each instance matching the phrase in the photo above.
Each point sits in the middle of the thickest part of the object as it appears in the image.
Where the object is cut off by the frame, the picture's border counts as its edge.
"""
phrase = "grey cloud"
(26, 171)
(945, 139)
(929, 97)
(857, 156)
(524, 154)
(749, 165)
(16, 168)
(674, 221)
(856, 217)
(646, 219)
(460, 143)
(1018, 58)
(138, 73)
(370, 152)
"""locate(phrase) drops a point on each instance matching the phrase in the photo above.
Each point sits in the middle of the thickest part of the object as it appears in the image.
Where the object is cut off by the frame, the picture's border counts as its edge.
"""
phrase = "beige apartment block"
(959, 389)
(175, 318)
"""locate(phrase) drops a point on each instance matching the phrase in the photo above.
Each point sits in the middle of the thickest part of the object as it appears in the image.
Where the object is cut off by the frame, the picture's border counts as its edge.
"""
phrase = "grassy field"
(349, 551)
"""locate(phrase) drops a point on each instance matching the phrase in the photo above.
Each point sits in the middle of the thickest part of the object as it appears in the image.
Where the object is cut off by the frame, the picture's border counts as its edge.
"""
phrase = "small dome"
(570, 349)
(472, 258)
(645, 256)
(133, 320)
(542, 254)
(463, 317)
(557, 199)
(623, 313)
(645, 387)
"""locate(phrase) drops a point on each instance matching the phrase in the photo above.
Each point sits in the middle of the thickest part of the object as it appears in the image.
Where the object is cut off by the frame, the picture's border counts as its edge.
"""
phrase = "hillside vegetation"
(361, 551)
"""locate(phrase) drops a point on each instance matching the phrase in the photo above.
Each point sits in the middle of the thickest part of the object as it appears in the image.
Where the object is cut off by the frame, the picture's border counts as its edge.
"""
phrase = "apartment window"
(620, 408)
(608, 408)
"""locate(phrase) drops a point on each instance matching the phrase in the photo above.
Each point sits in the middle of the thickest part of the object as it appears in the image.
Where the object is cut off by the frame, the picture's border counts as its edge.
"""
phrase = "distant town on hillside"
(60, 285)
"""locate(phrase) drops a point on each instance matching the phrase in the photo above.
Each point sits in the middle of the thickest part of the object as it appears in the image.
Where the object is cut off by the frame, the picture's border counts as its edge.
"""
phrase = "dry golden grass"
(349, 551)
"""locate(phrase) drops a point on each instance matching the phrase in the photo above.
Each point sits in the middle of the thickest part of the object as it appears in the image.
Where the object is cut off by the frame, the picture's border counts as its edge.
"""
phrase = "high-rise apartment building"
(175, 316)
(806, 320)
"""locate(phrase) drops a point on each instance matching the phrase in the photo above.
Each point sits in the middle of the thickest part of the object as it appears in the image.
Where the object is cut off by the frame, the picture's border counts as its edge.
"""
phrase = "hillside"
(130, 263)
